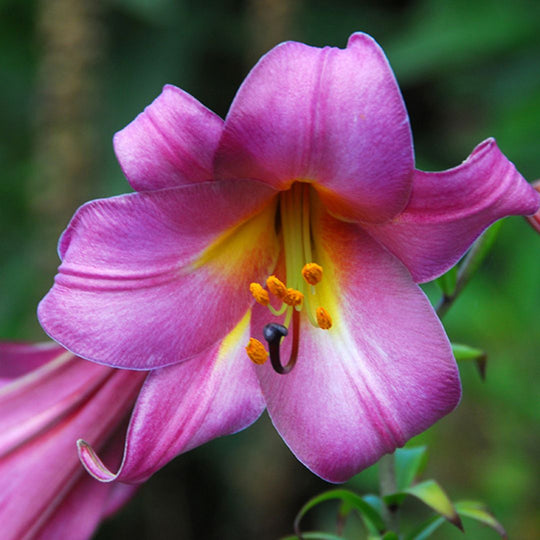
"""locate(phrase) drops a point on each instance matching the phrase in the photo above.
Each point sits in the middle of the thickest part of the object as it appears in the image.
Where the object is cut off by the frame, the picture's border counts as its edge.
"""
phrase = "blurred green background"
(75, 71)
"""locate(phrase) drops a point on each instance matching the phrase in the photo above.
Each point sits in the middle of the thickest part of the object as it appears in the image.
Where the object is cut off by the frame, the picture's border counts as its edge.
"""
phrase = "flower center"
(299, 293)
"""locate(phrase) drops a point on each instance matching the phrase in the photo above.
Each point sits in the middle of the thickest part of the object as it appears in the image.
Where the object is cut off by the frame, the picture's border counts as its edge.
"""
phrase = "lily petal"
(183, 406)
(383, 373)
(448, 210)
(150, 279)
(171, 143)
(56, 389)
(331, 116)
(36, 477)
(79, 512)
(18, 359)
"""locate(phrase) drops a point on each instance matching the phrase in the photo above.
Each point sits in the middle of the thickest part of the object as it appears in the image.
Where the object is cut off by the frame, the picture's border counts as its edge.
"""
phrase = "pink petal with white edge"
(151, 279)
(383, 373)
(18, 358)
(36, 476)
(448, 210)
(170, 144)
(331, 116)
(183, 406)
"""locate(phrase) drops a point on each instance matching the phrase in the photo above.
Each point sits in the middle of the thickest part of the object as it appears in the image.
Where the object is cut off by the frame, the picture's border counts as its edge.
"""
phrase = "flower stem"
(388, 486)
(468, 267)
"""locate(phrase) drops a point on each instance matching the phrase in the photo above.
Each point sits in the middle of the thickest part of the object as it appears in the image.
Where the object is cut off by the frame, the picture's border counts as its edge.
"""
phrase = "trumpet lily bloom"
(48, 399)
(534, 220)
(282, 247)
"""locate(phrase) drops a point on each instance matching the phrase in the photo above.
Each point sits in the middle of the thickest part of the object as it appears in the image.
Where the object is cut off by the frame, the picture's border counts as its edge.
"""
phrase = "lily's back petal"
(330, 116)
(170, 144)
(18, 358)
(38, 475)
(150, 279)
(183, 406)
(381, 374)
(56, 389)
(448, 210)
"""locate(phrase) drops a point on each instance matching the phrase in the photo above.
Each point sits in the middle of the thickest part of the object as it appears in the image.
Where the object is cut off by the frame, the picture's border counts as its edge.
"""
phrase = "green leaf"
(426, 529)
(464, 352)
(479, 512)
(368, 512)
(432, 495)
(409, 463)
(471, 509)
(315, 535)
(377, 504)
(447, 282)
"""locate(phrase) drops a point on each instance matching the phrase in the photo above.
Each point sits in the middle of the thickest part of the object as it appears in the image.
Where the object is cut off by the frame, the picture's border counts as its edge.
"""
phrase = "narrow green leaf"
(315, 535)
(464, 352)
(447, 282)
(390, 535)
(432, 495)
(426, 529)
(368, 513)
(479, 512)
(409, 463)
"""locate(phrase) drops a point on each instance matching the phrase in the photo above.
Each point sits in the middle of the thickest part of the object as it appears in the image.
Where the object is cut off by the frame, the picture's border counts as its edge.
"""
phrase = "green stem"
(469, 266)
(387, 486)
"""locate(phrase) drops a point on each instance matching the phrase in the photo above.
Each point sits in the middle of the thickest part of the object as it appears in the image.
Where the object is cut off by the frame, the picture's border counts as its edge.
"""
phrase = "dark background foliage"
(73, 72)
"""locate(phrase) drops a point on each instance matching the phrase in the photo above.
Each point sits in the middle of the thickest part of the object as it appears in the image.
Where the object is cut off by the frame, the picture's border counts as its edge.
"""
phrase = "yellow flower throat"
(302, 276)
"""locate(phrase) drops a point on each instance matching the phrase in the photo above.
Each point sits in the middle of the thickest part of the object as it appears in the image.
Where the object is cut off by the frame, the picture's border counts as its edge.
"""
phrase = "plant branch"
(387, 486)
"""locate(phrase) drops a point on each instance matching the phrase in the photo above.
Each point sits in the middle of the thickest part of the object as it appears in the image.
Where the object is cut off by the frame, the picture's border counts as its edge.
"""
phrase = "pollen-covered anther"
(293, 297)
(260, 294)
(323, 318)
(256, 351)
(312, 273)
(276, 287)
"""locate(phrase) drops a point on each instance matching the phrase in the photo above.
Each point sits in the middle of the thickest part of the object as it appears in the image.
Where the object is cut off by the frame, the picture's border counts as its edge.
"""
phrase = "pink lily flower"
(48, 399)
(301, 213)
(534, 220)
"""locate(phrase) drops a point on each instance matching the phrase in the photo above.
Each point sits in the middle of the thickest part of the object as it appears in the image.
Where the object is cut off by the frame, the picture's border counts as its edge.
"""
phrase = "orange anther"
(276, 287)
(293, 297)
(256, 351)
(260, 294)
(323, 318)
(312, 273)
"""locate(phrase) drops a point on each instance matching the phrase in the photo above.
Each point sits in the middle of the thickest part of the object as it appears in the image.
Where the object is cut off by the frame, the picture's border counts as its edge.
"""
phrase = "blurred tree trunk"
(269, 22)
(70, 41)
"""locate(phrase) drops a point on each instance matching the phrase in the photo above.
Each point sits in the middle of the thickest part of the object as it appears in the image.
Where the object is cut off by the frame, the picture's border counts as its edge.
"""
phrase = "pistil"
(273, 333)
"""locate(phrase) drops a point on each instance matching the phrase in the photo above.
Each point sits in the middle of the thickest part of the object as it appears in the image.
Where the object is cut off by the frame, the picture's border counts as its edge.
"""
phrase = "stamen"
(276, 287)
(260, 294)
(293, 297)
(323, 318)
(256, 351)
(312, 273)
(273, 333)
